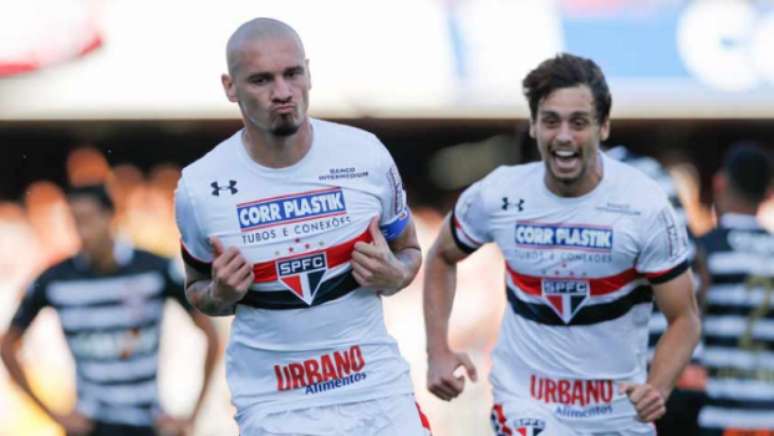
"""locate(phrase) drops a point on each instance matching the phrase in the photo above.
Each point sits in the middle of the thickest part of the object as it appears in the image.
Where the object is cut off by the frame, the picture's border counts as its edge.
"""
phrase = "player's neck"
(733, 205)
(275, 151)
(102, 259)
(576, 188)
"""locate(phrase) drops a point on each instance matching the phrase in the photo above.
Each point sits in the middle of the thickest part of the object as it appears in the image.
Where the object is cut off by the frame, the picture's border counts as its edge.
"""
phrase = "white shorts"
(389, 416)
(522, 417)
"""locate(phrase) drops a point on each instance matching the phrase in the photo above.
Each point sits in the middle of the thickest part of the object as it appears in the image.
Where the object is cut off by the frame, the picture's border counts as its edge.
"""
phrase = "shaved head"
(255, 30)
(268, 77)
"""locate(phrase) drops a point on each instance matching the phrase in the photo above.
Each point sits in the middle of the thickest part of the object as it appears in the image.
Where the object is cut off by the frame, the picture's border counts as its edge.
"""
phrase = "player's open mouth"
(566, 160)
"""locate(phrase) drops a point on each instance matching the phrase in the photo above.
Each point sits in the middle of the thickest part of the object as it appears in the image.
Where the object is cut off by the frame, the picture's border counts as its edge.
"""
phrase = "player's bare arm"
(72, 423)
(439, 289)
(676, 300)
(213, 350)
(218, 294)
(166, 424)
(387, 266)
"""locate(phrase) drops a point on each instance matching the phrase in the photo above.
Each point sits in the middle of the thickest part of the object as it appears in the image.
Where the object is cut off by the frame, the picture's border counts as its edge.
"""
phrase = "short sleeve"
(196, 249)
(33, 301)
(469, 220)
(665, 247)
(395, 211)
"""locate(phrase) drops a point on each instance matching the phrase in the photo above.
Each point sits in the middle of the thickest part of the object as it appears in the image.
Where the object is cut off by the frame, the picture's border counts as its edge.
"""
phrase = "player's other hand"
(648, 401)
(75, 423)
(441, 366)
(375, 266)
(231, 273)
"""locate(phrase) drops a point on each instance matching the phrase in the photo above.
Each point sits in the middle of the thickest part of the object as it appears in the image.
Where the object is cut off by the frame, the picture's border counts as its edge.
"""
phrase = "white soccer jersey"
(576, 275)
(306, 334)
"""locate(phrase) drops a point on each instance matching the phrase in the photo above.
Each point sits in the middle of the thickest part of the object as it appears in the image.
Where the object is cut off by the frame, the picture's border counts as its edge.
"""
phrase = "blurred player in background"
(739, 317)
(109, 299)
(583, 235)
(688, 396)
(299, 226)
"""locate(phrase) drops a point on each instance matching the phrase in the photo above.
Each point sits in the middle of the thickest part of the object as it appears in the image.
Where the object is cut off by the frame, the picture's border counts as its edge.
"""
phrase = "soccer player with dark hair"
(583, 236)
(110, 299)
(738, 314)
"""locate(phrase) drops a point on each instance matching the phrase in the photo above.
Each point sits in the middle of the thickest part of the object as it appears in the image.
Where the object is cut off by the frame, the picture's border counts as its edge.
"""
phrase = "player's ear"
(228, 87)
(531, 128)
(719, 183)
(308, 73)
(604, 130)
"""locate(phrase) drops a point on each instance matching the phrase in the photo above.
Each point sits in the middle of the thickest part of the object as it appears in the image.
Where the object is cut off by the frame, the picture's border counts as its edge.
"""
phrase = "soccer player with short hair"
(738, 340)
(299, 226)
(110, 300)
(582, 235)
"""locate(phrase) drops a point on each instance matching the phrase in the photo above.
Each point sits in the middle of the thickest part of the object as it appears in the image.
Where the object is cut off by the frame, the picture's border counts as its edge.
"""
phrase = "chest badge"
(565, 296)
(303, 275)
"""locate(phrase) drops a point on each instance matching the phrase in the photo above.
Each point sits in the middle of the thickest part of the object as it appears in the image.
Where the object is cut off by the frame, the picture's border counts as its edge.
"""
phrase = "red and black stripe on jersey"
(330, 289)
(590, 313)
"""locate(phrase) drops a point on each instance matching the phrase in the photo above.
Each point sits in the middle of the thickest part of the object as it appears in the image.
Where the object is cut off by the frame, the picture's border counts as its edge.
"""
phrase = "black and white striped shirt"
(112, 324)
(739, 325)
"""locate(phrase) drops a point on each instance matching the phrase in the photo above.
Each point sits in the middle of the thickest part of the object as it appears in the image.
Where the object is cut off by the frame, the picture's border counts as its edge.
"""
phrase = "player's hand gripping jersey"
(576, 269)
(305, 334)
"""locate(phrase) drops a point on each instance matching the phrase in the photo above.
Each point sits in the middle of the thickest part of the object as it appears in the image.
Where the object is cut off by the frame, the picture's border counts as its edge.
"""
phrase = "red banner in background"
(40, 33)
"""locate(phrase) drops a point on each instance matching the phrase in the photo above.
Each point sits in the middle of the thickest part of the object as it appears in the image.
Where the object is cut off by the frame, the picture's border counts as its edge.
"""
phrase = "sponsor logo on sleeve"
(398, 193)
(676, 239)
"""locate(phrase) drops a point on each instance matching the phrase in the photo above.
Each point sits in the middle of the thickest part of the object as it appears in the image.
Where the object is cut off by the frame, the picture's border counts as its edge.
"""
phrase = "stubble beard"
(285, 127)
(284, 130)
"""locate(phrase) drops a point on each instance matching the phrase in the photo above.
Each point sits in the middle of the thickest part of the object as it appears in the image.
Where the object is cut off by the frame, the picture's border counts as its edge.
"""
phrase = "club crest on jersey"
(529, 426)
(303, 275)
(304, 206)
(565, 296)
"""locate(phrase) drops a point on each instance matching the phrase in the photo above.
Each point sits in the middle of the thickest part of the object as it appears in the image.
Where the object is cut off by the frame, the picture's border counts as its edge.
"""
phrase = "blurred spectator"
(87, 166)
(48, 215)
(739, 318)
(109, 298)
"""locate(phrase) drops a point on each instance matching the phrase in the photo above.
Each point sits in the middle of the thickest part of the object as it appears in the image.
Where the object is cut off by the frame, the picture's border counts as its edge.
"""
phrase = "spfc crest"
(565, 296)
(303, 275)
(529, 426)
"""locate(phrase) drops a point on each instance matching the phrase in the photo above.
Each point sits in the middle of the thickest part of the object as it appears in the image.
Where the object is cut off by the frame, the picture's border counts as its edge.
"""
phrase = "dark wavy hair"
(564, 71)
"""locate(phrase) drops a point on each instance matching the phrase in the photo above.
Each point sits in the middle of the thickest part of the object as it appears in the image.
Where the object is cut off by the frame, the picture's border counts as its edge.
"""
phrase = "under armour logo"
(217, 188)
(519, 205)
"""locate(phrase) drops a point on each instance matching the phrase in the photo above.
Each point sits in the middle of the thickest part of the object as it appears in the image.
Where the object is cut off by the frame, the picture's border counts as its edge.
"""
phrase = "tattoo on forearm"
(200, 295)
(410, 257)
